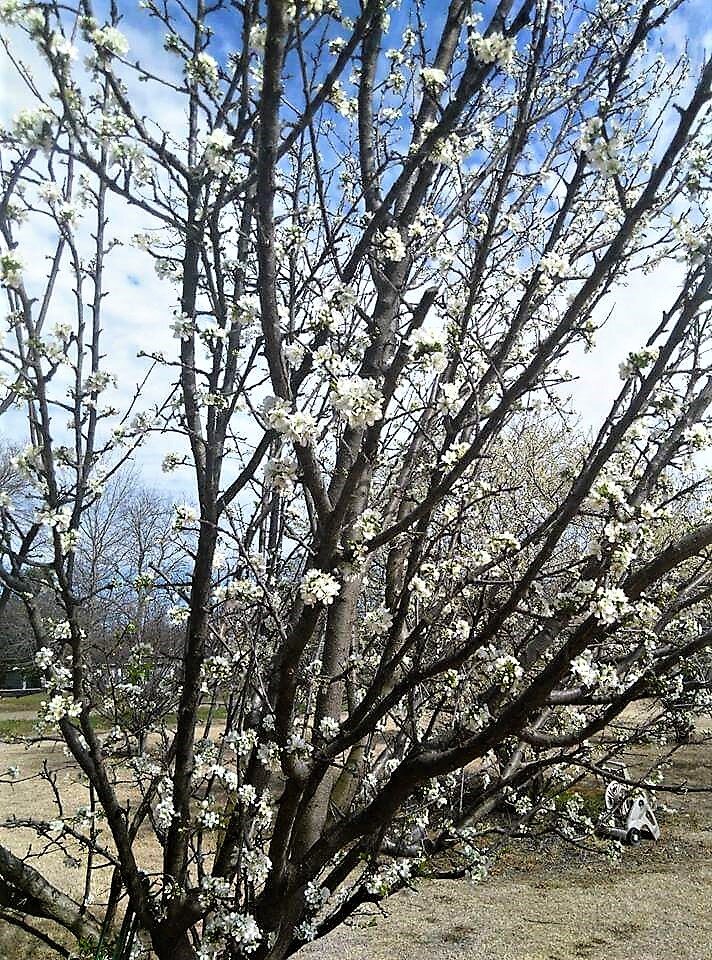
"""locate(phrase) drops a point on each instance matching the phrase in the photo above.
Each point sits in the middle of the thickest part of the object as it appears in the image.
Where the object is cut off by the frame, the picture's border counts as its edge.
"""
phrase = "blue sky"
(141, 304)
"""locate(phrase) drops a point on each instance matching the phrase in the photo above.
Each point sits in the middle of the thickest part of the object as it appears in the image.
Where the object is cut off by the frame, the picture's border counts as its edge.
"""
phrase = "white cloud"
(139, 308)
(637, 308)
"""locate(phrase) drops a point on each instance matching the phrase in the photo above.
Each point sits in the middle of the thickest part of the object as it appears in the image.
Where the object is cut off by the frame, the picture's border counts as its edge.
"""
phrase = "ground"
(563, 904)
(557, 904)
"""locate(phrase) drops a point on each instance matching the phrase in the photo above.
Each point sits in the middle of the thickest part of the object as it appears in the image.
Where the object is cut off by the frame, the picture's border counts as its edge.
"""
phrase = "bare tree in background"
(383, 240)
(128, 568)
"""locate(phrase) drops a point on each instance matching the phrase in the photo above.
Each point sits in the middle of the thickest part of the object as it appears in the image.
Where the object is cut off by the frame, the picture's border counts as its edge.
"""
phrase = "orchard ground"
(539, 903)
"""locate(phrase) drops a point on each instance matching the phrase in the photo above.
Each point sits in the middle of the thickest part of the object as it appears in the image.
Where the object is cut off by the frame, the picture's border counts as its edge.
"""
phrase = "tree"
(382, 239)
(128, 563)
(16, 640)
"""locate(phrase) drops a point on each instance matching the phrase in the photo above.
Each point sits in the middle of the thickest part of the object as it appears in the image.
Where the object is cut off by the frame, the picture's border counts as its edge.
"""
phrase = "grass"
(593, 803)
(29, 703)
(9, 729)
(12, 726)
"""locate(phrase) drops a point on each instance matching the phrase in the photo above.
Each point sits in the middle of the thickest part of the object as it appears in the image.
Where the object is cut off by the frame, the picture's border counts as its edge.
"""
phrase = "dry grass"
(553, 905)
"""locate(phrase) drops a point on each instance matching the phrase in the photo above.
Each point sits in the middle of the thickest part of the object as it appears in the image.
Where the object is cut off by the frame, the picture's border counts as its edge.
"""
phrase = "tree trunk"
(172, 946)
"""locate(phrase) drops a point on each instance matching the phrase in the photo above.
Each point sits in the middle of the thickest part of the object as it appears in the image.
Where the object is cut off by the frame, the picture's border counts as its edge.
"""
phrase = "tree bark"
(42, 899)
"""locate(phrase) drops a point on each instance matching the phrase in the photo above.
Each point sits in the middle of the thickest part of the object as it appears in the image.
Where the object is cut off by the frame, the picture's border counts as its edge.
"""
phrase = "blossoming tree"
(381, 238)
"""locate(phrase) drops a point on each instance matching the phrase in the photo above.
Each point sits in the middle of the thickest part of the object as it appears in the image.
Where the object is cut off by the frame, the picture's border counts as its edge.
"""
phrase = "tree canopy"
(409, 590)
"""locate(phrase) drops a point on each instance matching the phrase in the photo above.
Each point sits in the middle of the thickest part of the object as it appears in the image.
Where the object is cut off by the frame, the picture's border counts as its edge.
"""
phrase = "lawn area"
(540, 902)
(18, 714)
(27, 704)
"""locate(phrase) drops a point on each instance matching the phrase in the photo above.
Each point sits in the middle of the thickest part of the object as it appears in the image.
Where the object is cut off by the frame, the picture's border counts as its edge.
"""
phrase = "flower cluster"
(208, 818)
(388, 877)
(378, 622)
(256, 865)
(450, 398)
(427, 346)
(363, 529)
(358, 399)
(246, 310)
(328, 727)
(280, 473)
(508, 670)
(203, 69)
(108, 41)
(344, 104)
(600, 149)
(595, 676)
(606, 492)
(555, 265)
(298, 746)
(185, 516)
(299, 426)
(61, 47)
(10, 269)
(55, 519)
(698, 436)
(44, 658)
(218, 151)
(636, 361)
(390, 245)
(433, 80)
(165, 811)
(268, 755)
(215, 670)
(11, 11)
(57, 707)
(318, 586)
(449, 151)
(33, 128)
(610, 605)
(494, 49)
(241, 928)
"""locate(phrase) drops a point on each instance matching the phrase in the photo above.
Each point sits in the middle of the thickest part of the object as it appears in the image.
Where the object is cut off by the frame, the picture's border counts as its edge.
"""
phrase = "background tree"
(130, 569)
(382, 238)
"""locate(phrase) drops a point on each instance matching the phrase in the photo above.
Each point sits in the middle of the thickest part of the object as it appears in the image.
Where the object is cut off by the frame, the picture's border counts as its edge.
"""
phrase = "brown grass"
(537, 905)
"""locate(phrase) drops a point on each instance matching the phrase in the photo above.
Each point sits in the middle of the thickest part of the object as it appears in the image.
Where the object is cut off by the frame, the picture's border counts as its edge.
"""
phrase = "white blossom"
(359, 399)
(328, 727)
(164, 811)
(636, 361)
(427, 345)
(610, 605)
(62, 47)
(109, 41)
(11, 267)
(600, 149)
(390, 245)
(507, 670)
(433, 79)
(297, 745)
(11, 12)
(318, 586)
(44, 658)
(494, 49)
(208, 818)
(299, 425)
(219, 151)
(697, 436)
(339, 99)
(203, 69)
(378, 622)
(256, 865)
(280, 473)
(57, 707)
